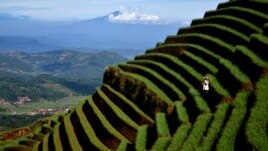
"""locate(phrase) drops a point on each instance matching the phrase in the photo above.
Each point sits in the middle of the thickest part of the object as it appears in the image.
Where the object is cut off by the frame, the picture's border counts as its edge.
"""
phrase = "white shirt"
(206, 85)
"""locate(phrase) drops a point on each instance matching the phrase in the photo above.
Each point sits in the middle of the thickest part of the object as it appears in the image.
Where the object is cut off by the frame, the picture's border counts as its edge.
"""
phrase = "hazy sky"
(87, 9)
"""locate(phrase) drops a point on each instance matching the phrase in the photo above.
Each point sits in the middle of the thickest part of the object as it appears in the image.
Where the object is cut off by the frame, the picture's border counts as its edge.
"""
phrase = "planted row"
(179, 137)
(230, 131)
(199, 101)
(260, 5)
(141, 91)
(235, 71)
(168, 88)
(195, 136)
(106, 124)
(219, 46)
(215, 128)
(45, 143)
(178, 49)
(57, 138)
(167, 75)
(123, 146)
(91, 125)
(249, 62)
(231, 76)
(116, 116)
(132, 110)
(181, 112)
(72, 138)
(161, 144)
(235, 23)
(162, 125)
(63, 136)
(141, 139)
(259, 44)
(210, 68)
(258, 120)
(229, 35)
(253, 16)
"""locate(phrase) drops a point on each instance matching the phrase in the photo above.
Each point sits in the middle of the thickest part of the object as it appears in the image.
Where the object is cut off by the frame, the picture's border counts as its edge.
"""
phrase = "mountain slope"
(156, 101)
(14, 43)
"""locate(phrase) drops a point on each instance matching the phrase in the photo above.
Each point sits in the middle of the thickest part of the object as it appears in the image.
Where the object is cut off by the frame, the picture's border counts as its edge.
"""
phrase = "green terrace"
(156, 101)
(238, 24)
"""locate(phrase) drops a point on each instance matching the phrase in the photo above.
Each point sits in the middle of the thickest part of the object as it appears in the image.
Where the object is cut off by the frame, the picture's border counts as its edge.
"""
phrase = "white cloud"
(128, 15)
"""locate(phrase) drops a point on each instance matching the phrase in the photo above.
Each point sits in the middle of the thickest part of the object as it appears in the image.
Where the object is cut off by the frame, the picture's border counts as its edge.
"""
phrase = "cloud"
(132, 15)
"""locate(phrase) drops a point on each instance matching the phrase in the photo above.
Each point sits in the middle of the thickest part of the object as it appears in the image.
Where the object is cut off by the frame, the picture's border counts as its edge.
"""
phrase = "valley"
(37, 85)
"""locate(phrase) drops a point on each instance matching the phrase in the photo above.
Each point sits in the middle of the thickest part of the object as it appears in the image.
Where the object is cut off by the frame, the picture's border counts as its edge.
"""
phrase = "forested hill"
(62, 63)
(44, 87)
(52, 75)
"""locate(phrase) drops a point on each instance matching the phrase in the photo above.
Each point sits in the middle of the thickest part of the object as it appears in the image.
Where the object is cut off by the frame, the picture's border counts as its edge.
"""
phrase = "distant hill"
(15, 43)
(61, 63)
(52, 75)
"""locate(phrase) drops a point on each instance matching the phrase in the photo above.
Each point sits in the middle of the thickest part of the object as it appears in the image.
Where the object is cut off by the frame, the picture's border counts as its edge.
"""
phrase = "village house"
(23, 100)
(4, 102)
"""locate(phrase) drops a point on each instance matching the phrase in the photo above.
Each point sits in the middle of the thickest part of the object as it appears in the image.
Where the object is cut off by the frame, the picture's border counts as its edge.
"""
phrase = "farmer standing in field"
(206, 84)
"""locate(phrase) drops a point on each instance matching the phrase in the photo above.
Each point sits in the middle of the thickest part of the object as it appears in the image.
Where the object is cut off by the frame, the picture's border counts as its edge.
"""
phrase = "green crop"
(215, 127)
(257, 122)
(118, 111)
(197, 132)
(141, 139)
(182, 113)
(252, 56)
(162, 125)
(179, 137)
(161, 144)
(130, 103)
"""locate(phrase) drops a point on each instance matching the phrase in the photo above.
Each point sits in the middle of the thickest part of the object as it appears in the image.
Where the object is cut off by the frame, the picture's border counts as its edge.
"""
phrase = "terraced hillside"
(156, 101)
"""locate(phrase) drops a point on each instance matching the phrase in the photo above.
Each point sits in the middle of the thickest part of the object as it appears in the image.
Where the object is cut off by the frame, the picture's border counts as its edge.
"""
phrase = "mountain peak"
(130, 15)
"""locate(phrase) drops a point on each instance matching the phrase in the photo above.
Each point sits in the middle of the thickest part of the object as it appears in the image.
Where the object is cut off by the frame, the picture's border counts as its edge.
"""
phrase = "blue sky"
(57, 10)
